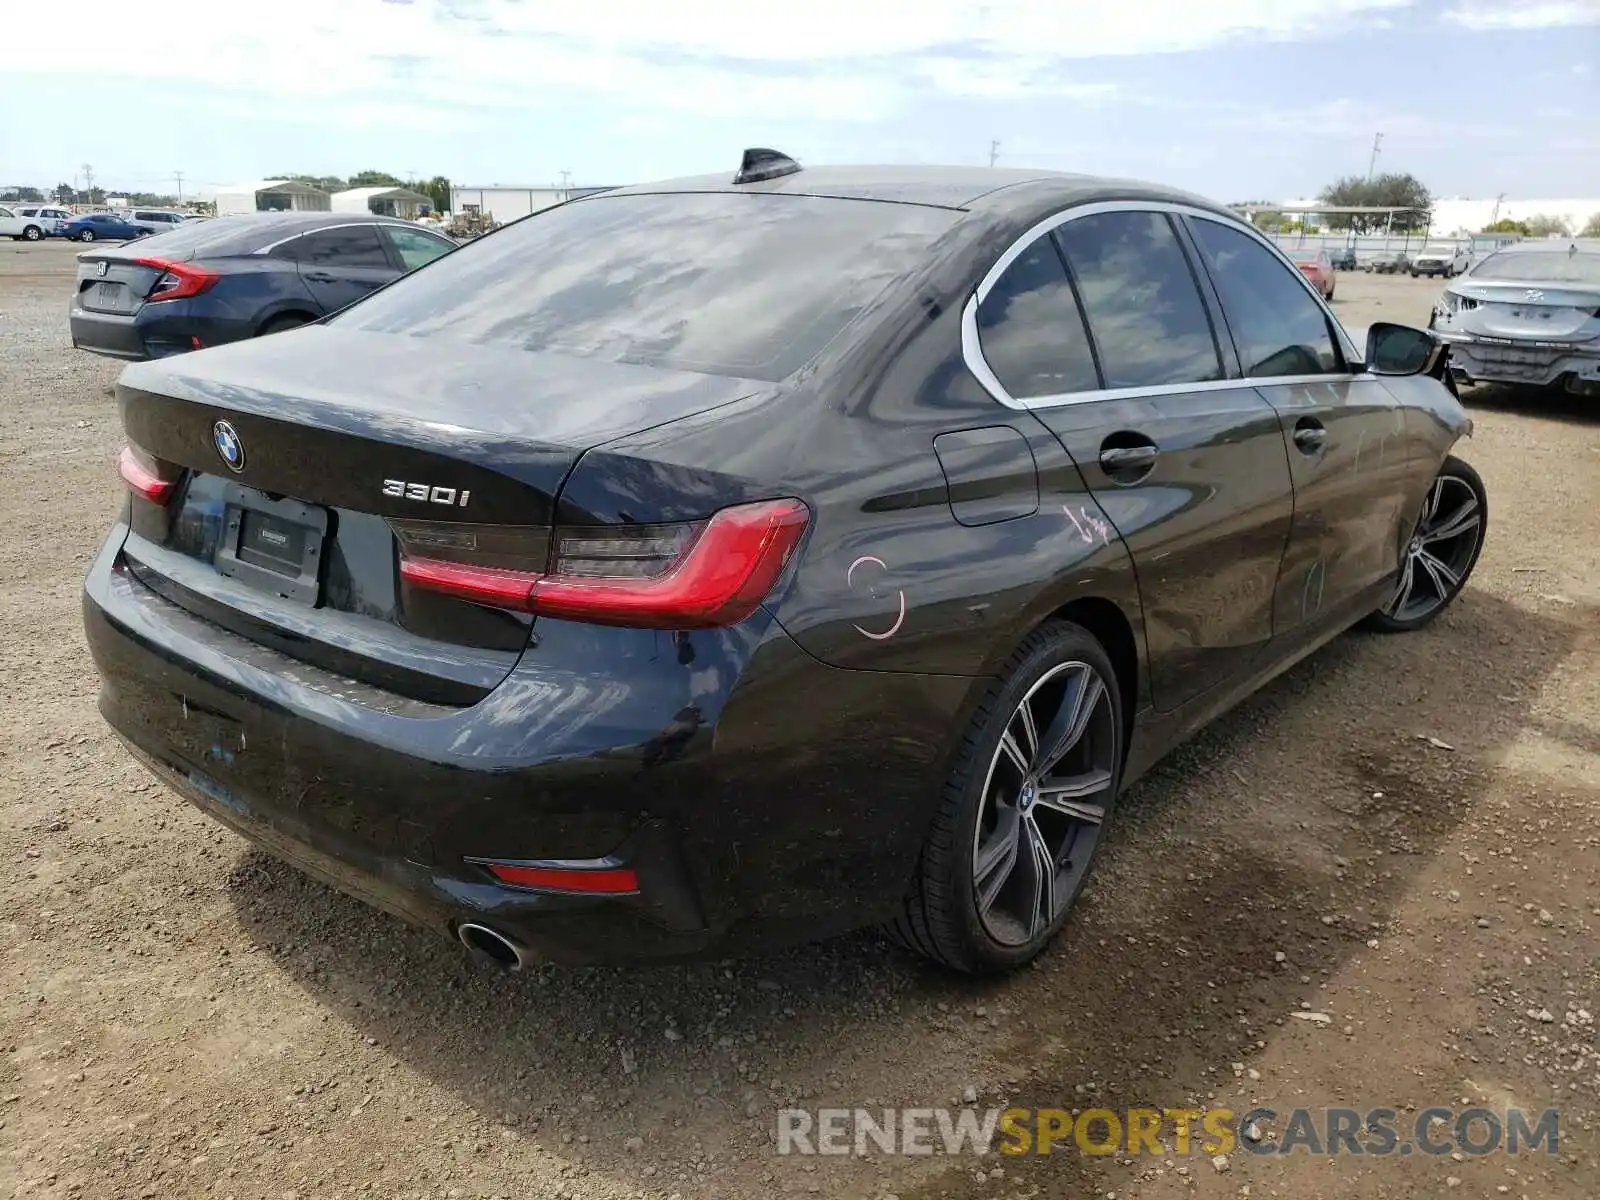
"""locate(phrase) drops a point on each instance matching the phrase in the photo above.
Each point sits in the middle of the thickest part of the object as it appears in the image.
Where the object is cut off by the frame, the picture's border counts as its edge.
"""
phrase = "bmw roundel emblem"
(228, 445)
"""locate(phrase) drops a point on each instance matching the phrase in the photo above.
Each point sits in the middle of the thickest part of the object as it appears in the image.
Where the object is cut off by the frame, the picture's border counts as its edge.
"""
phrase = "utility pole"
(566, 185)
(88, 181)
(1372, 162)
(178, 175)
(1496, 214)
(994, 151)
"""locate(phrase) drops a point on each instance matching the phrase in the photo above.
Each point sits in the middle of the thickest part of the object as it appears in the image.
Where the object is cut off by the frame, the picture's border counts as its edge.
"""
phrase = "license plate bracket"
(274, 545)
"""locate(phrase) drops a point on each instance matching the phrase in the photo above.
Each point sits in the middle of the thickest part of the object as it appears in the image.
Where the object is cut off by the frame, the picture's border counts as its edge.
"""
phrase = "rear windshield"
(1541, 266)
(225, 235)
(750, 285)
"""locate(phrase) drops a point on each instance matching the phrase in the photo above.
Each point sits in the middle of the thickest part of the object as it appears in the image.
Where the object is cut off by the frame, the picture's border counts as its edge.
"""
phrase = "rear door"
(1343, 433)
(1187, 464)
(341, 265)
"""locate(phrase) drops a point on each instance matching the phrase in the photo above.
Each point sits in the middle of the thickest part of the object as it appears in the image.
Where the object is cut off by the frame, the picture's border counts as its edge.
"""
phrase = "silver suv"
(157, 220)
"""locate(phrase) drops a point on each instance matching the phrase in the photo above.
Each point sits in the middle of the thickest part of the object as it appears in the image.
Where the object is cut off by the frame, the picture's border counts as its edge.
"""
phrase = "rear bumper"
(108, 334)
(157, 330)
(1537, 364)
(751, 825)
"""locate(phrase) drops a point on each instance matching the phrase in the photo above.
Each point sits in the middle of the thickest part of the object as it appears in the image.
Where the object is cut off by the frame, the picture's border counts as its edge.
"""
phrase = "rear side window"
(348, 246)
(1144, 308)
(1031, 331)
(1277, 327)
(748, 284)
(415, 247)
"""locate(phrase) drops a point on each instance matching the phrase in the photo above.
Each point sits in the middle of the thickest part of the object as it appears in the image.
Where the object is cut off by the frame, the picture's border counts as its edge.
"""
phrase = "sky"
(1235, 99)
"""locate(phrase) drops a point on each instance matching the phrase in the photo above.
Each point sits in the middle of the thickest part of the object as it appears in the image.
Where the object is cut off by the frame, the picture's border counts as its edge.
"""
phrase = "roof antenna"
(760, 163)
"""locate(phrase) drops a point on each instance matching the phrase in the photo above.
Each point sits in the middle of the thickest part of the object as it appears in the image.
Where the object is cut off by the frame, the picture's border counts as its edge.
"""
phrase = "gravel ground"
(181, 1016)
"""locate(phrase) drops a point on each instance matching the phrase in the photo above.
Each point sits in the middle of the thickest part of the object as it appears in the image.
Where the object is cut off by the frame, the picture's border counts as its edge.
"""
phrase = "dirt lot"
(181, 1016)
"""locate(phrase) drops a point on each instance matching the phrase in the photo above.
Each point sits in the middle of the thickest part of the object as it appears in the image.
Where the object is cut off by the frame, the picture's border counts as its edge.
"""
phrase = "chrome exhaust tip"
(491, 946)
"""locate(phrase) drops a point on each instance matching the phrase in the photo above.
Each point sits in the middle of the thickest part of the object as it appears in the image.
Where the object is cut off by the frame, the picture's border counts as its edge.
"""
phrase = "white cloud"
(829, 59)
(1523, 14)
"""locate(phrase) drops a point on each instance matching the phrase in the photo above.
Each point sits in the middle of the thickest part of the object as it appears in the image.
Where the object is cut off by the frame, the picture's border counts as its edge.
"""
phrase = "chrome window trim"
(283, 241)
(972, 348)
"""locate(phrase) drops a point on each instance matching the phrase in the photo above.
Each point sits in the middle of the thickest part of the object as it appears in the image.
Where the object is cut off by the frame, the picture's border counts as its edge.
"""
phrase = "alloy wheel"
(1441, 551)
(1044, 803)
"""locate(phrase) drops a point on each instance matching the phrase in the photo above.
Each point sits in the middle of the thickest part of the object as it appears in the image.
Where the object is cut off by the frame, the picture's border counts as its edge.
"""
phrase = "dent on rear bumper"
(757, 817)
(1507, 360)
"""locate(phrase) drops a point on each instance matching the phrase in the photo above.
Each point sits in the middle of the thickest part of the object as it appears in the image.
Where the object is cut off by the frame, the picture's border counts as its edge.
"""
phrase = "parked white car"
(23, 222)
(1448, 261)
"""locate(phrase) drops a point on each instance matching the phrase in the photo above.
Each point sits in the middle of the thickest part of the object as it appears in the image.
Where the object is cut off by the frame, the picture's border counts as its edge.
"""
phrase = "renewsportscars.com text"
(1374, 1132)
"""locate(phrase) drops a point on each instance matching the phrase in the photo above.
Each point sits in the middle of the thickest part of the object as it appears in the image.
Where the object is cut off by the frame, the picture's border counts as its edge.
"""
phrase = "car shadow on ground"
(1556, 403)
(1315, 799)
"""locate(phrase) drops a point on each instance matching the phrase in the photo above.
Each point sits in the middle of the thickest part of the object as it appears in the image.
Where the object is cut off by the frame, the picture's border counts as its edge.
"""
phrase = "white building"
(270, 195)
(506, 202)
(1460, 216)
(382, 201)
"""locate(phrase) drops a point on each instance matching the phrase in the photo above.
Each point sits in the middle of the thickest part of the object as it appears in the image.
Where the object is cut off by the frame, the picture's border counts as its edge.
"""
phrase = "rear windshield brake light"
(179, 280)
(694, 576)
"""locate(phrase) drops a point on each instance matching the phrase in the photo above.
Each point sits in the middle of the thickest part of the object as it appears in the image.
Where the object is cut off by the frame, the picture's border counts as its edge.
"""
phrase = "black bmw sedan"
(717, 564)
(209, 282)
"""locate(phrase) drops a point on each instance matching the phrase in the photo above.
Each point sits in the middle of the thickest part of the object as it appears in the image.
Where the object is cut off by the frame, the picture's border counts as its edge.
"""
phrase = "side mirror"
(1401, 350)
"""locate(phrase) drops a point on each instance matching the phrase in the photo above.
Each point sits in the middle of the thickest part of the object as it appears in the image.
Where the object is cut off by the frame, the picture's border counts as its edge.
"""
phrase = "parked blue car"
(100, 227)
(210, 282)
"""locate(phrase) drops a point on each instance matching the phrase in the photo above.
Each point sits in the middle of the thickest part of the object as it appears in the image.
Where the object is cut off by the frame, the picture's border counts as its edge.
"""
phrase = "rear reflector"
(594, 881)
(143, 478)
(698, 576)
(179, 280)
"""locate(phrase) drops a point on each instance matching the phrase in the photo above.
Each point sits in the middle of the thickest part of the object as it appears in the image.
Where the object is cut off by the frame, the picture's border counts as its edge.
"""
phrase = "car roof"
(246, 233)
(998, 189)
(286, 223)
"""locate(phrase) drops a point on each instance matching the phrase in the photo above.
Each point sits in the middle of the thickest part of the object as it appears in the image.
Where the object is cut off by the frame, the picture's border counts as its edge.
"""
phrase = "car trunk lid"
(1527, 310)
(303, 466)
(115, 280)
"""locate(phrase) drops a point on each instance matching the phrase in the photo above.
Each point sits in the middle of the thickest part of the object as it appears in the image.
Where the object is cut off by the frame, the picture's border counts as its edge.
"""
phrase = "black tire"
(280, 323)
(942, 919)
(86, 236)
(32, 233)
(1434, 560)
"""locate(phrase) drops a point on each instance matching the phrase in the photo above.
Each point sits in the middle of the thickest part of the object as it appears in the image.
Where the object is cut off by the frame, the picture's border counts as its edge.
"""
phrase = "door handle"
(1127, 464)
(319, 277)
(1309, 436)
(1128, 458)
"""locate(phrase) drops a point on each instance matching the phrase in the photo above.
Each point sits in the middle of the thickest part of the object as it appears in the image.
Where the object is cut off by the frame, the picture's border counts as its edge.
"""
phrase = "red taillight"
(594, 881)
(143, 478)
(653, 577)
(178, 280)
